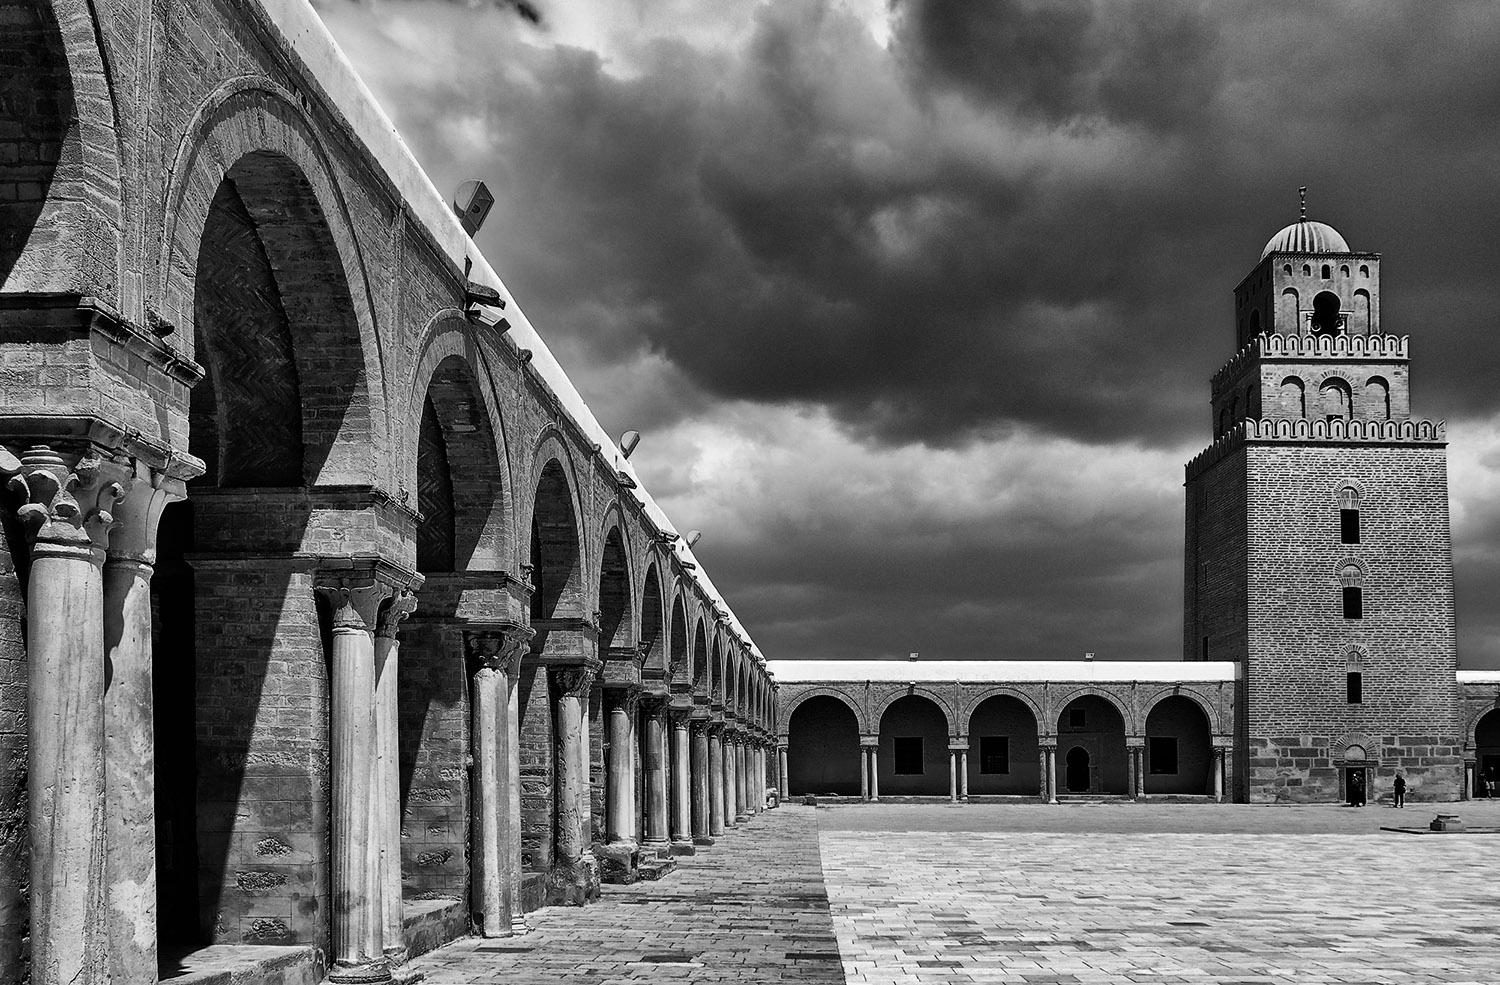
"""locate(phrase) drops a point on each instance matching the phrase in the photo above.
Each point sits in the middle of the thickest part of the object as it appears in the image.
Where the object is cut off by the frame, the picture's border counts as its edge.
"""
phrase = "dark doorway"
(1356, 787)
(823, 748)
(1487, 754)
(1078, 770)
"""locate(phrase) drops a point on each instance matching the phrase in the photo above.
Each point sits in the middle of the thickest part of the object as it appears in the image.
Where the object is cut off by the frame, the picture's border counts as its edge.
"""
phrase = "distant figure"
(1357, 789)
(1400, 787)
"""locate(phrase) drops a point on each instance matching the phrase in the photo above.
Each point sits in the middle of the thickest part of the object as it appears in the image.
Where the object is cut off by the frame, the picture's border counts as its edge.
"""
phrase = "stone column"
(782, 783)
(1218, 775)
(517, 645)
(571, 872)
(1132, 756)
(952, 775)
(1140, 771)
(728, 744)
(129, 740)
(1041, 772)
(657, 832)
(1051, 774)
(621, 773)
(385, 799)
(875, 771)
(1468, 780)
(487, 851)
(752, 807)
(740, 811)
(682, 793)
(700, 784)
(67, 518)
(715, 780)
(963, 774)
(864, 772)
(357, 908)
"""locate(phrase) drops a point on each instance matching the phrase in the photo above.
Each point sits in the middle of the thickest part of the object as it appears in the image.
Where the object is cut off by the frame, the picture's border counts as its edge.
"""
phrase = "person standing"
(1357, 788)
(1400, 788)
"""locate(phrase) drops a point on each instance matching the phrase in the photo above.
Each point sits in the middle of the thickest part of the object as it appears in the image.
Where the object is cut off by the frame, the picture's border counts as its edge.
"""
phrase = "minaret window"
(1350, 576)
(1344, 270)
(1293, 398)
(1364, 270)
(1325, 313)
(1377, 399)
(1354, 676)
(1334, 399)
(1327, 271)
(1349, 515)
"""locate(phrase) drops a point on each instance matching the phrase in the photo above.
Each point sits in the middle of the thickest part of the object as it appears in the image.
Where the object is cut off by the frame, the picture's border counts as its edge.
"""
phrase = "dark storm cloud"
(1021, 213)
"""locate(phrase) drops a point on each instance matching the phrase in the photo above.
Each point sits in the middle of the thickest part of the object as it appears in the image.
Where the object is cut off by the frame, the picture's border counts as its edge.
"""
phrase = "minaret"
(1317, 549)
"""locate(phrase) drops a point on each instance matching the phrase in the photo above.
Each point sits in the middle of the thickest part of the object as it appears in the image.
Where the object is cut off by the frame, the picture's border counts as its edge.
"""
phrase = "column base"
(618, 862)
(660, 848)
(683, 848)
(360, 974)
(518, 924)
(703, 841)
(573, 883)
(741, 818)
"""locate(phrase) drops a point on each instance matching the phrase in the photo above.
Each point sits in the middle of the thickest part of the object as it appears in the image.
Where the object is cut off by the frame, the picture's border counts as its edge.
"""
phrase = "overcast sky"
(916, 303)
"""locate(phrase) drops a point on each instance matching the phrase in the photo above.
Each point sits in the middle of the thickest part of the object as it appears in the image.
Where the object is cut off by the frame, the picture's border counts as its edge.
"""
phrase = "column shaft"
(953, 775)
(1052, 774)
(385, 800)
(700, 783)
(781, 779)
(1218, 775)
(963, 774)
(356, 898)
(682, 820)
(621, 773)
(657, 832)
(728, 744)
(875, 772)
(715, 783)
(572, 785)
(512, 783)
(864, 772)
(1041, 773)
(1131, 755)
(487, 849)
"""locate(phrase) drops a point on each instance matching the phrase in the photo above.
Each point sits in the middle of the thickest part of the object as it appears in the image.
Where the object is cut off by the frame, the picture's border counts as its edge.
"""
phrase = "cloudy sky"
(916, 302)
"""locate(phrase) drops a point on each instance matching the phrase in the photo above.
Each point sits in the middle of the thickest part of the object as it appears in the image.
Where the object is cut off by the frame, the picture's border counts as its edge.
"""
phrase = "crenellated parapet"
(1409, 432)
(1299, 346)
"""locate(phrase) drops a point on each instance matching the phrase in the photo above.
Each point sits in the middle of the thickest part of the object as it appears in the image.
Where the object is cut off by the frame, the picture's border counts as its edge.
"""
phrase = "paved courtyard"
(1083, 894)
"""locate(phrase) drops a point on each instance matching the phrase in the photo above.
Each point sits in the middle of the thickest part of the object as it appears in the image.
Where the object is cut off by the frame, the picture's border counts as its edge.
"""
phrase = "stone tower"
(1318, 552)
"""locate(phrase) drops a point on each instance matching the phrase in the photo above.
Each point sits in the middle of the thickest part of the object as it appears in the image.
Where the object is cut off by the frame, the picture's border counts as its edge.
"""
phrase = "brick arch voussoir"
(550, 446)
(1204, 702)
(1132, 727)
(1374, 750)
(1471, 726)
(614, 519)
(449, 335)
(249, 115)
(784, 715)
(1003, 691)
(949, 714)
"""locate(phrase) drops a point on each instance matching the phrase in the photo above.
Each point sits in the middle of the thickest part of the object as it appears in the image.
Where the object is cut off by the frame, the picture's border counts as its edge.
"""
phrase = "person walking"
(1400, 788)
(1357, 788)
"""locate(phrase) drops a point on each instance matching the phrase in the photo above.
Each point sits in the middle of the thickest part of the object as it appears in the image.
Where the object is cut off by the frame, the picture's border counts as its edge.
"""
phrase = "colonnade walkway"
(750, 909)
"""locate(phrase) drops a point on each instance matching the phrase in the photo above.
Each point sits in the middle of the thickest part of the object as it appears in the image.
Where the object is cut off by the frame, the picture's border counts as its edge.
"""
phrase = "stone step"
(242, 964)
(652, 869)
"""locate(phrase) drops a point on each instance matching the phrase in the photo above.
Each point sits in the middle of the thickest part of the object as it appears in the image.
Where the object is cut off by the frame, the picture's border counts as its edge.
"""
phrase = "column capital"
(354, 597)
(680, 716)
(402, 605)
(147, 492)
(699, 726)
(498, 647)
(575, 679)
(625, 699)
(68, 498)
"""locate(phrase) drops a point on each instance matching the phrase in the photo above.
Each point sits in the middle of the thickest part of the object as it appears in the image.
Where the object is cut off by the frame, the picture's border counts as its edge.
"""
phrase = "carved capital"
(574, 680)
(354, 599)
(403, 605)
(68, 503)
(137, 514)
(517, 645)
(485, 649)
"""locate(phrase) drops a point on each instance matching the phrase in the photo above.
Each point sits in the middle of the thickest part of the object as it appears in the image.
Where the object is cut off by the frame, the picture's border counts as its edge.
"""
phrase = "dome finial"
(1302, 204)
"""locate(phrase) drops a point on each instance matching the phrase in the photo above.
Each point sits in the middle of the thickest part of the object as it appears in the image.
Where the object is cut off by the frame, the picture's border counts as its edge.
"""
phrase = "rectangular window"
(1161, 754)
(1077, 719)
(1354, 602)
(1349, 526)
(1354, 687)
(994, 754)
(908, 755)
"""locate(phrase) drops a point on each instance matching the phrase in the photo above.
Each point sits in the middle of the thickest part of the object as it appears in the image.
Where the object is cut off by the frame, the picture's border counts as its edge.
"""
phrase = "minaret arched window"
(1334, 399)
(1354, 676)
(1351, 577)
(1327, 272)
(1293, 398)
(1377, 399)
(1349, 515)
(1325, 313)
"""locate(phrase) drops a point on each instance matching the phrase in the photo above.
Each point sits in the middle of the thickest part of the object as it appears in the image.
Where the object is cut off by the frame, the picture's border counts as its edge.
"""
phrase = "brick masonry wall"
(1214, 580)
(535, 704)
(1297, 715)
(434, 721)
(262, 757)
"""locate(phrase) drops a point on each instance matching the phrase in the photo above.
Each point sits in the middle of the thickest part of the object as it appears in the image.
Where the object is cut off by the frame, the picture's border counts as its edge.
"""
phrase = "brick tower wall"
(1297, 716)
(1214, 583)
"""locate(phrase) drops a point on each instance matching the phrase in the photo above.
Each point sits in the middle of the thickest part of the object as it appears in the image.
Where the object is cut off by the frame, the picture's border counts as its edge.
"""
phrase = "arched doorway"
(1093, 724)
(240, 678)
(1487, 755)
(1003, 751)
(913, 758)
(1179, 748)
(823, 748)
(1079, 777)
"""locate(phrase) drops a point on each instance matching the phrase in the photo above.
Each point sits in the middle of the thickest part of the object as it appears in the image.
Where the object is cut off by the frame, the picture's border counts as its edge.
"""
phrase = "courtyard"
(1081, 893)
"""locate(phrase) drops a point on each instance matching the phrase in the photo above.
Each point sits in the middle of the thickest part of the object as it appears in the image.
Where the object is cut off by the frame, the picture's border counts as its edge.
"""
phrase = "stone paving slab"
(749, 909)
(1150, 907)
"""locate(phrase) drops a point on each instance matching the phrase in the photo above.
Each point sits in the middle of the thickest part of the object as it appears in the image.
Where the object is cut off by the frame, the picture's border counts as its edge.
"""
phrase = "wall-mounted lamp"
(472, 203)
(693, 536)
(628, 441)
